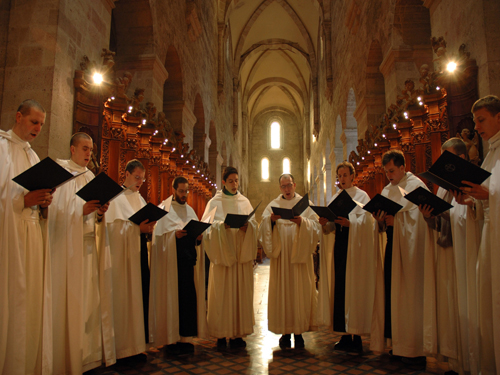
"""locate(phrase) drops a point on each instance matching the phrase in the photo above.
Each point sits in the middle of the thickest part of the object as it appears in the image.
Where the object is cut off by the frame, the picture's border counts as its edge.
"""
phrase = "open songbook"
(379, 202)
(102, 188)
(341, 206)
(194, 227)
(46, 174)
(238, 220)
(450, 170)
(421, 196)
(150, 212)
(290, 213)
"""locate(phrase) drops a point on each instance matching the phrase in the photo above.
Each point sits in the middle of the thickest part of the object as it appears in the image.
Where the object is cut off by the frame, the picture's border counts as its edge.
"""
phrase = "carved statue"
(439, 47)
(409, 94)
(425, 79)
(122, 84)
(472, 145)
(107, 59)
(135, 103)
(150, 114)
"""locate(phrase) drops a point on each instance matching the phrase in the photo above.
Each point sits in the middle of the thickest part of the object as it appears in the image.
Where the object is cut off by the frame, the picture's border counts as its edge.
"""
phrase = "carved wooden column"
(407, 147)
(144, 155)
(420, 140)
(114, 134)
(154, 170)
(165, 172)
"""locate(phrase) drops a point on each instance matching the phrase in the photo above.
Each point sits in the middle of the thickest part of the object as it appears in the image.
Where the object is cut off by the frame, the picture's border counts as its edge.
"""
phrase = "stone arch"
(375, 84)
(173, 89)
(295, 18)
(199, 134)
(351, 129)
(141, 41)
(412, 22)
(212, 151)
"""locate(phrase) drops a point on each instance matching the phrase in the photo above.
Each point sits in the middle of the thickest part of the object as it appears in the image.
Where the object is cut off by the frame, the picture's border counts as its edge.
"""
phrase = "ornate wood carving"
(124, 128)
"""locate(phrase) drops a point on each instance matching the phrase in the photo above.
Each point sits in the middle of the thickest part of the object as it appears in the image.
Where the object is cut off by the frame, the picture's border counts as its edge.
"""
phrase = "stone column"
(45, 44)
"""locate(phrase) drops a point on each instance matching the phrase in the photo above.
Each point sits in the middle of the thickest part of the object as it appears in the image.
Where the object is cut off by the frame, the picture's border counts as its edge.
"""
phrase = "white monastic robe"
(231, 252)
(83, 325)
(360, 270)
(488, 264)
(25, 306)
(445, 276)
(407, 288)
(125, 244)
(292, 287)
(164, 299)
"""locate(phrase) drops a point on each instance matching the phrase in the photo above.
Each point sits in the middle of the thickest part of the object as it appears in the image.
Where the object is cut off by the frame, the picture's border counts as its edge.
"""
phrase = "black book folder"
(290, 213)
(379, 202)
(194, 228)
(238, 220)
(46, 174)
(150, 212)
(421, 196)
(102, 188)
(450, 170)
(339, 207)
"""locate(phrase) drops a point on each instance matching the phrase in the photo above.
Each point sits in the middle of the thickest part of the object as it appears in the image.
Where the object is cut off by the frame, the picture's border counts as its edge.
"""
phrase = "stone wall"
(46, 42)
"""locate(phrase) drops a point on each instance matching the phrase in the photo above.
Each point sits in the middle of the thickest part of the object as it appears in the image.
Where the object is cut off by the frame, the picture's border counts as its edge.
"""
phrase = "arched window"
(275, 135)
(286, 165)
(265, 169)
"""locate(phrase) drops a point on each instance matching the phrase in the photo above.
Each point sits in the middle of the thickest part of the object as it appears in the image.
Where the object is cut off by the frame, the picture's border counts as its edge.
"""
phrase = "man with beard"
(77, 235)
(129, 257)
(177, 307)
(290, 244)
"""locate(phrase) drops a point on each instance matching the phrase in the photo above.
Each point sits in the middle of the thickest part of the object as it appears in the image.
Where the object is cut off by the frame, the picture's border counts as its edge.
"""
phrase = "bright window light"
(265, 169)
(275, 135)
(286, 165)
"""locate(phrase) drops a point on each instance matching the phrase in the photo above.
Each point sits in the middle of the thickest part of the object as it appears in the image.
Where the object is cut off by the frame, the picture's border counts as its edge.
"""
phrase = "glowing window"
(265, 169)
(286, 165)
(275, 135)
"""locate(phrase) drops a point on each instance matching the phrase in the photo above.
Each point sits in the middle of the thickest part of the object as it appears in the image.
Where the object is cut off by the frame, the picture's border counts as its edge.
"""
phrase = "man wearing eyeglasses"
(129, 257)
(177, 271)
(290, 244)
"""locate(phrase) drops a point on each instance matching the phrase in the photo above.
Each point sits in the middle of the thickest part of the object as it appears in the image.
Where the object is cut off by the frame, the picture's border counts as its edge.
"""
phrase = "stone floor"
(263, 355)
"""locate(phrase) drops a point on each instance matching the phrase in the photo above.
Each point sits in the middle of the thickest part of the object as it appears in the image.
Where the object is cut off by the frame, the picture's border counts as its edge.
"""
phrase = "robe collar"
(494, 141)
(14, 138)
(76, 167)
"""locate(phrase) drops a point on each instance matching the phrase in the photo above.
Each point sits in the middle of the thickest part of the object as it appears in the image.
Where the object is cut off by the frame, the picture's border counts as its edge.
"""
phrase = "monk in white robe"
(445, 290)
(231, 252)
(485, 202)
(25, 316)
(177, 304)
(125, 244)
(83, 325)
(348, 262)
(290, 245)
(398, 312)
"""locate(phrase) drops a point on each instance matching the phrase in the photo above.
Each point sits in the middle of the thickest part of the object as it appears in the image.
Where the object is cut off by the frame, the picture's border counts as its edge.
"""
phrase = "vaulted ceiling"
(274, 45)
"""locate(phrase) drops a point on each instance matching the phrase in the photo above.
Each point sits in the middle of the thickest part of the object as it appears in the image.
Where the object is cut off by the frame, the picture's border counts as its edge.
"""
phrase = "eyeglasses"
(180, 191)
(284, 187)
(139, 178)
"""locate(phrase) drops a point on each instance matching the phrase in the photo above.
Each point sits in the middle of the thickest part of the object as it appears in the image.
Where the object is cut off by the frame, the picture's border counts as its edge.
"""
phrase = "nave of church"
(263, 355)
